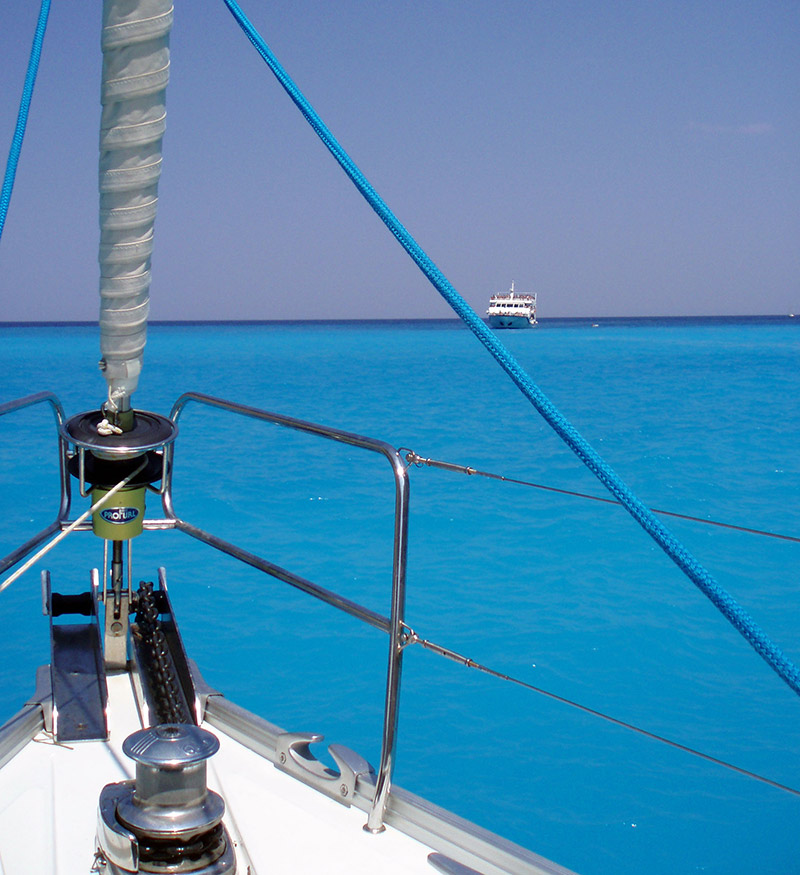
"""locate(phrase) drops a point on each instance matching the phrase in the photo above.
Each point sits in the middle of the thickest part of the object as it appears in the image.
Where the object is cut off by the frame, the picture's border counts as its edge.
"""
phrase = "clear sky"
(620, 158)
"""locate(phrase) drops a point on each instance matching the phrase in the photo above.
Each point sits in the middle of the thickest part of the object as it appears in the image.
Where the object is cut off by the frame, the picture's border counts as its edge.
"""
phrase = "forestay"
(135, 74)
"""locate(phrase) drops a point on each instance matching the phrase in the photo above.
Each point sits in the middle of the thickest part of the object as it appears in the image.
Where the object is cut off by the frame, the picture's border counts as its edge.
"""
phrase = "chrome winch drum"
(166, 820)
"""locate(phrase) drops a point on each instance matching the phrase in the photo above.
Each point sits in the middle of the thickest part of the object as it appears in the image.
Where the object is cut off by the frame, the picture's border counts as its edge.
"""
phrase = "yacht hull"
(510, 322)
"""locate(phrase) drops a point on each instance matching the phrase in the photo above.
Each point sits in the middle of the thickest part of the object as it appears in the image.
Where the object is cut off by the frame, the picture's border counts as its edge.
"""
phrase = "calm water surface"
(699, 417)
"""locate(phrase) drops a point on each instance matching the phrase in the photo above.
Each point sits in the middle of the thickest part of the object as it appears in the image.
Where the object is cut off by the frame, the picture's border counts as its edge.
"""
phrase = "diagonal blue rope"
(735, 614)
(22, 115)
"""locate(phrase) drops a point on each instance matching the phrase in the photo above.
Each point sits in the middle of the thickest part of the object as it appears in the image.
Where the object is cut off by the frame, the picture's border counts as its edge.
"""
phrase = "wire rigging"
(419, 461)
(413, 638)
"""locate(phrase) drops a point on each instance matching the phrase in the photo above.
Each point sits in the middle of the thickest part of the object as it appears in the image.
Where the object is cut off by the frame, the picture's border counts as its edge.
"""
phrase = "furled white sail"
(135, 75)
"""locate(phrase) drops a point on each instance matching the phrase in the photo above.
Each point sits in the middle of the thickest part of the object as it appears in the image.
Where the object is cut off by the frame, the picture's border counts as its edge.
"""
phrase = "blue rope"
(736, 615)
(22, 115)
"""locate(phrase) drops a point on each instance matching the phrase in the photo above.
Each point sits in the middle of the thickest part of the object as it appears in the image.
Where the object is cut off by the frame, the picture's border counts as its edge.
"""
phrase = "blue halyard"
(22, 115)
(704, 581)
(694, 570)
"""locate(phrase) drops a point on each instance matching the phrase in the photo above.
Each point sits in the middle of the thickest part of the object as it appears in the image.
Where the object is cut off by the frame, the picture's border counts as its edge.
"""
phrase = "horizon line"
(21, 323)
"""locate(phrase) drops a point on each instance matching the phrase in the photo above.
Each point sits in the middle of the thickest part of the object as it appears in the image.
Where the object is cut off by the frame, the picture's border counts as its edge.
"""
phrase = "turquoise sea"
(699, 416)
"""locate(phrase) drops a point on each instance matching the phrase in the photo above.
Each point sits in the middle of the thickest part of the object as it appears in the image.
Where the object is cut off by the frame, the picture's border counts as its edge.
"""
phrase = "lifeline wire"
(413, 459)
(413, 638)
(22, 115)
(703, 580)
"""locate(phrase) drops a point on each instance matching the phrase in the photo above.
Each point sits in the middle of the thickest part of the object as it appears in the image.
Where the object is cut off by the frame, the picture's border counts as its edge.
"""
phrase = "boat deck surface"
(49, 795)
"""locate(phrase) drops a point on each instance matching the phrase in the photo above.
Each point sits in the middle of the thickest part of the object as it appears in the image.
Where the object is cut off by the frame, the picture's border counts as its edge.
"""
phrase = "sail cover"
(135, 74)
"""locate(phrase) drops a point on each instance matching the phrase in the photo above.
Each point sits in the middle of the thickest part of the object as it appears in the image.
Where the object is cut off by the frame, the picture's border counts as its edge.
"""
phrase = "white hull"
(511, 322)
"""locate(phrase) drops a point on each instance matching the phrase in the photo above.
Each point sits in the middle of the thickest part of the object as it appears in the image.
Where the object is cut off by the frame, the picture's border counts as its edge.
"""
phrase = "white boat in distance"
(512, 310)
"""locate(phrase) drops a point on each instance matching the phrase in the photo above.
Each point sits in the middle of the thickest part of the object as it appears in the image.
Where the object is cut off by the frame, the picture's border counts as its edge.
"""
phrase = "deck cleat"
(166, 820)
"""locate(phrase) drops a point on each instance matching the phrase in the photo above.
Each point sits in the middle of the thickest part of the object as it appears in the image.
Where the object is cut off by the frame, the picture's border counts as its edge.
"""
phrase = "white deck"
(49, 795)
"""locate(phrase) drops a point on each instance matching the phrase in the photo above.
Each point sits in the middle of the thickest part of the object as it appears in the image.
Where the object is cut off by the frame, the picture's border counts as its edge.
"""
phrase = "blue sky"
(620, 158)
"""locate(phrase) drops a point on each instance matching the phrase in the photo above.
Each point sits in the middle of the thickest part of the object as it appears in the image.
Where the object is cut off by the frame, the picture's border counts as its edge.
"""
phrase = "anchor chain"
(169, 704)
